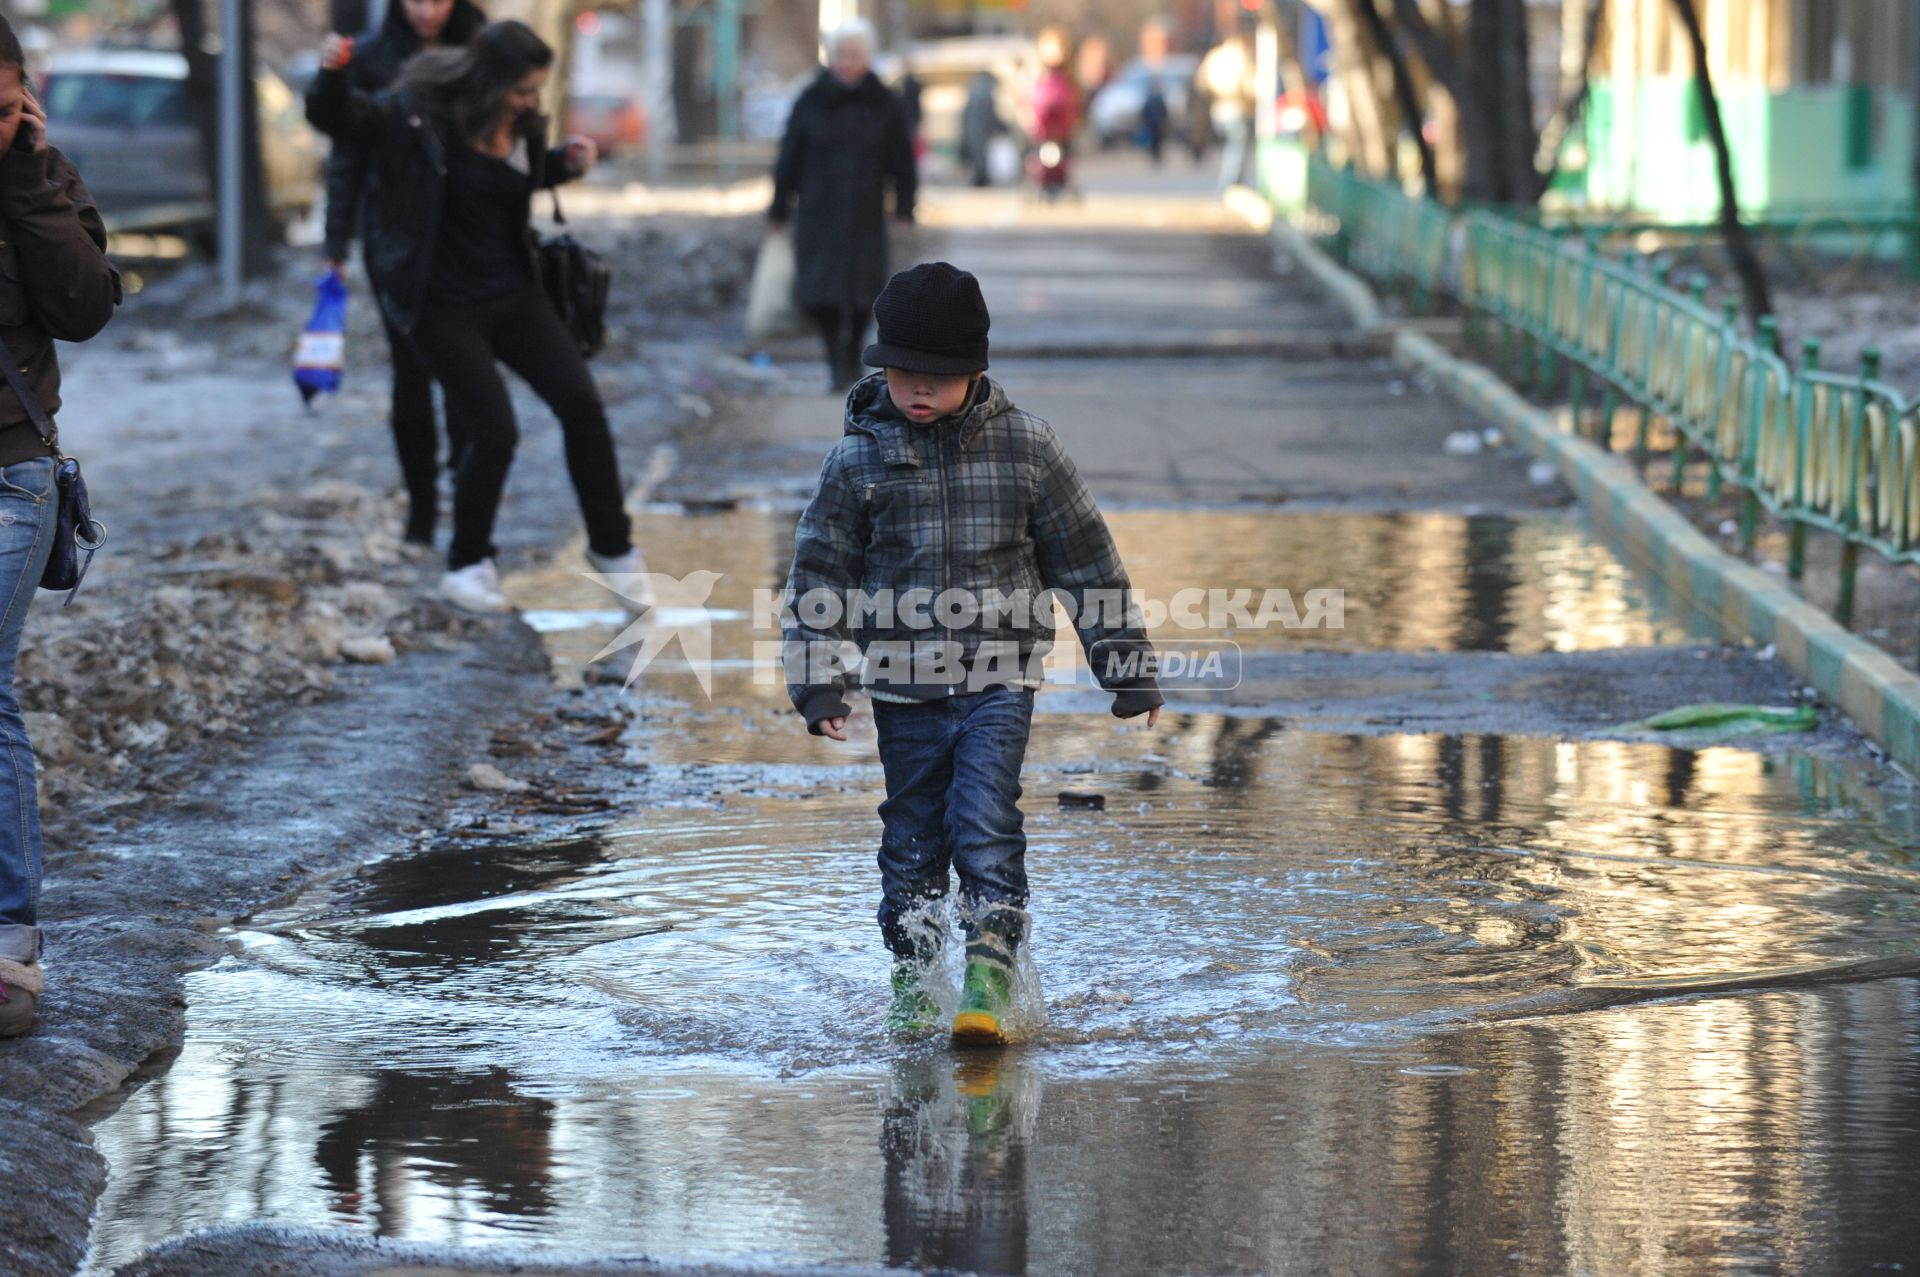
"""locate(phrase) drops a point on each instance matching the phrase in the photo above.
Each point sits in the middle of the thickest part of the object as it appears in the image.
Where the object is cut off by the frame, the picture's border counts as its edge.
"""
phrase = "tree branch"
(1573, 100)
(1433, 50)
(1753, 279)
(1412, 117)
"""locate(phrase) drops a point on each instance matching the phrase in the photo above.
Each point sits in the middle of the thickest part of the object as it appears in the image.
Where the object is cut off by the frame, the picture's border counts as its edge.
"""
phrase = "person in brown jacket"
(55, 282)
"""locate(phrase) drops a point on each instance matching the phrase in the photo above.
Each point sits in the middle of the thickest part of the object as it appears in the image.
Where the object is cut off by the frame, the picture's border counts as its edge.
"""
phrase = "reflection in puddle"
(1747, 1133)
(667, 1037)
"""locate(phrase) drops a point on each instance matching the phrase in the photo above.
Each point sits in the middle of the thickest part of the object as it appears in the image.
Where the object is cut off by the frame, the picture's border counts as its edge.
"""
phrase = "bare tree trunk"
(259, 235)
(1412, 117)
(1753, 279)
(1476, 129)
(1514, 114)
(1363, 96)
(1575, 87)
(203, 91)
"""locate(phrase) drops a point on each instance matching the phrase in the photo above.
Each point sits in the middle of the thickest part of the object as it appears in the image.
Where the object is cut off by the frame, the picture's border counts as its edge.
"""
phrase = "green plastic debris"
(1730, 719)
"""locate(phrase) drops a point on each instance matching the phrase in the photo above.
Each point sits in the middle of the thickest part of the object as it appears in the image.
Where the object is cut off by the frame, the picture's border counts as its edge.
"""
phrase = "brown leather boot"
(21, 984)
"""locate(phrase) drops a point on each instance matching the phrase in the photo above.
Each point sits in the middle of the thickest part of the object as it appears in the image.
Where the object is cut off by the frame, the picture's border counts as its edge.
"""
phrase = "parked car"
(1114, 114)
(124, 117)
(615, 121)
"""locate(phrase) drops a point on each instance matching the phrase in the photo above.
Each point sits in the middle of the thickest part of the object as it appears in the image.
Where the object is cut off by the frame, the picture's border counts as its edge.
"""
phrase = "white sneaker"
(629, 573)
(475, 588)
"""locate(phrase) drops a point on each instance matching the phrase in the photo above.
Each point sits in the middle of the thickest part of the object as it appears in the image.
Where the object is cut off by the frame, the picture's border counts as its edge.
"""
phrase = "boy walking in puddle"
(925, 567)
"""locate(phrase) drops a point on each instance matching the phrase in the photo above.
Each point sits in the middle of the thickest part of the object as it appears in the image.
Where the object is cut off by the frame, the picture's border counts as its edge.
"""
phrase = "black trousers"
(415, 438)
(460, 345)
(843, 329)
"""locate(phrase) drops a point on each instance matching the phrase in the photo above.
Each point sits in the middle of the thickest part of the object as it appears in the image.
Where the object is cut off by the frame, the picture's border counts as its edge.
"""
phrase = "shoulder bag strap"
(35, 413)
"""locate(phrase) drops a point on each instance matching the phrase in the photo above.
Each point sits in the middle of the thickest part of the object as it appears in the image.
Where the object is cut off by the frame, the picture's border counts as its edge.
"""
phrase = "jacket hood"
(462, 23)
(870, 411)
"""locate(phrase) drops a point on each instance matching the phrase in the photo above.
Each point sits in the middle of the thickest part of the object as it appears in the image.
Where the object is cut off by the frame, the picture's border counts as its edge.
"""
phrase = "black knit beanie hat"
(931, 318)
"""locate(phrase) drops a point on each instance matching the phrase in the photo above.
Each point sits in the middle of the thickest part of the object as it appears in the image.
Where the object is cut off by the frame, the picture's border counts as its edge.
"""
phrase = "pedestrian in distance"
(55, 283)
(912, 94)
(1230, 77)
(1199, 123)
(980, 124)
(939, 484)
(847, 140)
(460, 148)
(1054, 115)
(408, 27)
(1153, 122)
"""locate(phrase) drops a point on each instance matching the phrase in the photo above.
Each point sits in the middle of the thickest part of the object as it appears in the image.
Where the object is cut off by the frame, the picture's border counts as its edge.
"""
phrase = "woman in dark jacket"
(55, 282)
(409, 27)
(457, 151)
(846, 139)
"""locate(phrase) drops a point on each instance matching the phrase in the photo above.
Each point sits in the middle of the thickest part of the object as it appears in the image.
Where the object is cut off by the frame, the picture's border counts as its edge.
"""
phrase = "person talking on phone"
(460, 148)
(408, 27)
(55, 282)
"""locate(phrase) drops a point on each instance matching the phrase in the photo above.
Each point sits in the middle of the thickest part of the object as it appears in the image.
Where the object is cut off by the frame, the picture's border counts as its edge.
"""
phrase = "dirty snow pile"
(670, 271)
(197, 641)
(1850, 317)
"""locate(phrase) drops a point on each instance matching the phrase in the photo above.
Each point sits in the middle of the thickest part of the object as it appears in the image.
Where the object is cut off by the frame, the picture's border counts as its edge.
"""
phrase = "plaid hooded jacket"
(983, 501)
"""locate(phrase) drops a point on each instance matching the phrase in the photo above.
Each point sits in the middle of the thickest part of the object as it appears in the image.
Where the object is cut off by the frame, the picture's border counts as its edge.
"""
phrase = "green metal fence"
(1796, 243)
(1834, 451)
(1381, 231)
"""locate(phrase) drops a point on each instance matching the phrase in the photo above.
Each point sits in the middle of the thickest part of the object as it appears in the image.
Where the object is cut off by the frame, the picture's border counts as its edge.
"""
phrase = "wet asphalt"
(1407, 952)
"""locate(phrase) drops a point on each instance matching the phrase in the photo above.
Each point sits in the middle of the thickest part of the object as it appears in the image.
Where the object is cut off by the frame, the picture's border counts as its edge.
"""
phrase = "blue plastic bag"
(322, 351)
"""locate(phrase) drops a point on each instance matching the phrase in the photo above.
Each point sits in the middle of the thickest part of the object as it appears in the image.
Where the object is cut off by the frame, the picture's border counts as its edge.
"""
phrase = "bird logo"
(678, 610)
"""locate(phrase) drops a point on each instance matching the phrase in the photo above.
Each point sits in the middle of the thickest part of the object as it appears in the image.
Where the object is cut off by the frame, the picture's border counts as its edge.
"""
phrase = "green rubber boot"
(986, 996)
(914, 1009)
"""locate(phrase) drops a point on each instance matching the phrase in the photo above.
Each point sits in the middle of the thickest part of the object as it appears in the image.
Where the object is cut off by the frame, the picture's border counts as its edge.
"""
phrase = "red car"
(614, 123)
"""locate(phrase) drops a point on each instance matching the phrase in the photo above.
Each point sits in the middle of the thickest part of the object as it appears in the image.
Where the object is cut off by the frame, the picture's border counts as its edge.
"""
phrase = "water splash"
(940, 934)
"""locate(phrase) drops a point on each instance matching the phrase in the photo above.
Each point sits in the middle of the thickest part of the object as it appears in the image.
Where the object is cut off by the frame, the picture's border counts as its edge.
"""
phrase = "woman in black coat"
(409, 27)
(845, 141)
(458, 148)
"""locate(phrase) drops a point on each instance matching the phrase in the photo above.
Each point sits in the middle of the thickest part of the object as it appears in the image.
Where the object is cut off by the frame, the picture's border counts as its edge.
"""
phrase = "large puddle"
(1258, 960)
(1318, 1002)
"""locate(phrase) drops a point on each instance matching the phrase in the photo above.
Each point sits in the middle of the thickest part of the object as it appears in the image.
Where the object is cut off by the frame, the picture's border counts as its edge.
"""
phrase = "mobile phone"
(21, 136)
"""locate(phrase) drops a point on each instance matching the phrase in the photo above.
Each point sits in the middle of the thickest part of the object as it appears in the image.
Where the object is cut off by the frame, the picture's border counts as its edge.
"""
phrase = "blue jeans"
(26, 539)
(953, 795)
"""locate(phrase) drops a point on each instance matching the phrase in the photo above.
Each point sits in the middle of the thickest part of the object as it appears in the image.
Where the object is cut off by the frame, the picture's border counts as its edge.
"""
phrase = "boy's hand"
(834, 727)
(1153, 718)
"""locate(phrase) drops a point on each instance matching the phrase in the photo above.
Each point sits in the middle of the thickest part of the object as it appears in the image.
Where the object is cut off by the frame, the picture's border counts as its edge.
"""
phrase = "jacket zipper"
(946, 536)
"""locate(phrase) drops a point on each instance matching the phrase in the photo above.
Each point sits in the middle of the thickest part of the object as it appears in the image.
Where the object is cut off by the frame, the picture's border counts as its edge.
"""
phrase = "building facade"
(1817, 98)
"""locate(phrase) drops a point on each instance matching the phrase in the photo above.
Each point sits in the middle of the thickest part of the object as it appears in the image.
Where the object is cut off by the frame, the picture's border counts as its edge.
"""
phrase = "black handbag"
(577, 281)
(77, 534)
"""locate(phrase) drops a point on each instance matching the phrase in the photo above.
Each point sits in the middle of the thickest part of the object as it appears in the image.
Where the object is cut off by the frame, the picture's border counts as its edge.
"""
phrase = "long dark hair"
(469, 85)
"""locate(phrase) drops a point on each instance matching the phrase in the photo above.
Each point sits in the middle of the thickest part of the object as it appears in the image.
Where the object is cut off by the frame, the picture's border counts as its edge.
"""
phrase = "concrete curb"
(1745, 604)
(1347, 289)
